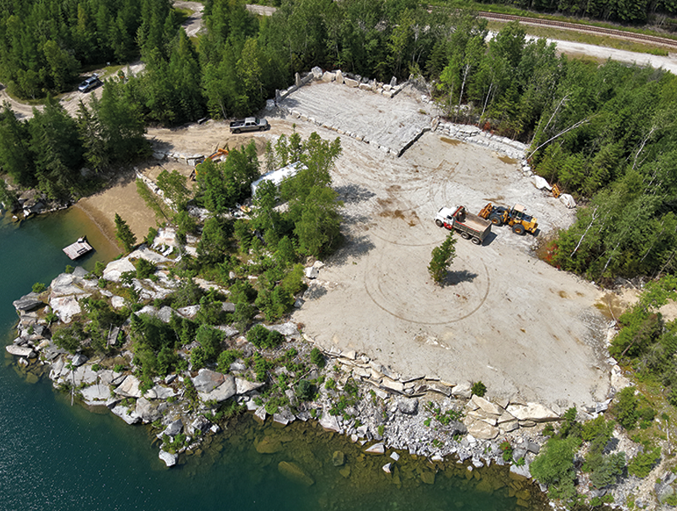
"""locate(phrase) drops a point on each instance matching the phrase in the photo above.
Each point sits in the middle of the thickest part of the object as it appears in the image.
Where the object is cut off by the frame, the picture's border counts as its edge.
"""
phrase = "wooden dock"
(78, 249)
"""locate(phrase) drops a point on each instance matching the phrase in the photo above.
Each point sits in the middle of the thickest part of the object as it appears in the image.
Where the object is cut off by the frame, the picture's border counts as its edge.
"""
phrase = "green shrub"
(69, 338)
(642, 464)
(152, 233)
(263, 338)
(554, 467)
(98, 268)
(479, 389)
(608, 471)
(198, 358)
(598, 430)
(626, 408)
(305, 391)
(261, 366)
(257, 335)
(226, 358)
(144, 268)
(39, 287)
(507, 451)
(210, 340)
(242, 292)
(317, 358)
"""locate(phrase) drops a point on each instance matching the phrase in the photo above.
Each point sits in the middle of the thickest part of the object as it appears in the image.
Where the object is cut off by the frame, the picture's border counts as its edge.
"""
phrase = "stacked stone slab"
(396, 126)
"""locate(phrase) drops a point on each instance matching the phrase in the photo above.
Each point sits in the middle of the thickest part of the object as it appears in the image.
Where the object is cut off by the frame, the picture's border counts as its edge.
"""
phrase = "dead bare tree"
(594, 217)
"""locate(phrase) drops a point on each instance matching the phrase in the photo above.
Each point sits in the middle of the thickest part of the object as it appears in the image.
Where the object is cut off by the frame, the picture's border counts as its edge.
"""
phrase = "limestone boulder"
(129, 387)
(79, 359)
(165, 314)
(481, 430)
(487, 406)
(169, 458)
(463, 389)
(28, 302)
(225, 390)
(161, 392)
(408, 406)
(378, 448)
(126, 414)
(115, 269)
(117, 302)
(288, 329)
(95, 395)
(20, 351)
(144, 252)
(147, 410)
(207, 380)
(532, 412)
(317, 72)
(173, 429)
(65, 307)
(245, 386)
(200, 424)
(329, 422)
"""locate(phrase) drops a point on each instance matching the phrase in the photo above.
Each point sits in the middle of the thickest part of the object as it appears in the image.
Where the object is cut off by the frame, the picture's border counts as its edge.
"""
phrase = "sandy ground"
(122, 199)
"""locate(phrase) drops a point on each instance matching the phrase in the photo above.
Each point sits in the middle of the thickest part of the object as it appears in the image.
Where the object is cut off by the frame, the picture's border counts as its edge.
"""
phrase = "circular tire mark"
(455, 320)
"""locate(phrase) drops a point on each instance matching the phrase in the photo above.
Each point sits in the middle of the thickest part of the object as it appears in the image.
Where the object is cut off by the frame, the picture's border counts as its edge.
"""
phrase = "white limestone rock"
(129, 387)
(169, 458)
(532, 412)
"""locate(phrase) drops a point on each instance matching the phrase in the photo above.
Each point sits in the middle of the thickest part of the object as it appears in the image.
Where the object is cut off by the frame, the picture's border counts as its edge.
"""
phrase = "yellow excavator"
(515, 217)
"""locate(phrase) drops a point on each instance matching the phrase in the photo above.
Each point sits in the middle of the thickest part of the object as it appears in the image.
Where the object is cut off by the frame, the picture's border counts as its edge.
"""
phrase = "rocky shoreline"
(374, 407)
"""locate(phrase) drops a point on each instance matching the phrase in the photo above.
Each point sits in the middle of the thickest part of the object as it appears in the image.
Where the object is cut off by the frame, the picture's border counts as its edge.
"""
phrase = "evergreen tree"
(442, 258)
(124, 234)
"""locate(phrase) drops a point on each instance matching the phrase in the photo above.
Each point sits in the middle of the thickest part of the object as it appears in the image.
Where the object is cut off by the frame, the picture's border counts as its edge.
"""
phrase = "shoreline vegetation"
(196, 305)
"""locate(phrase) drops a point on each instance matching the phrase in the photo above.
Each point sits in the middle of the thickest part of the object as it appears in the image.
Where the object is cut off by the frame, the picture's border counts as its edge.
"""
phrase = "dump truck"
(249, 124)
(515, 217)
(469, 226)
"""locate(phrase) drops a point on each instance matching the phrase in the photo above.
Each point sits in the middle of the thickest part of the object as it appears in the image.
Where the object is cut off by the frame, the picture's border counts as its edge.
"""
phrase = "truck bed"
(475, 222)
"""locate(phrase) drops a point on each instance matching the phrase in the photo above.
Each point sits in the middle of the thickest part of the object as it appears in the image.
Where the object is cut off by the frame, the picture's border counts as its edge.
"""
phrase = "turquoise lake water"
(54, 456)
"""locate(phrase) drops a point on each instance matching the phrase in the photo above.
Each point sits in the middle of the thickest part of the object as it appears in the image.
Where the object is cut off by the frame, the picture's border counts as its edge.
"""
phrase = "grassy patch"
(586, 38)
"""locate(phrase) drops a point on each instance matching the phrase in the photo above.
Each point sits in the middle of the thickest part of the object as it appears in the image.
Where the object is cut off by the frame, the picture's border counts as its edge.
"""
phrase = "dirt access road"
(526, 330)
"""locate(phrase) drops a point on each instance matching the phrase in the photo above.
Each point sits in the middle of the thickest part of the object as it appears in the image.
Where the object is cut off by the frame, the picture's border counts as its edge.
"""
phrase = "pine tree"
(124, 234)
(442, 257)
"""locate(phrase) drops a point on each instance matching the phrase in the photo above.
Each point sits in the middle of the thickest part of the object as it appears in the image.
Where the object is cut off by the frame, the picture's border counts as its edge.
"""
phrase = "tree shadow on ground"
(314, 291)
(353, 193)
(456, 277)
(353, 247)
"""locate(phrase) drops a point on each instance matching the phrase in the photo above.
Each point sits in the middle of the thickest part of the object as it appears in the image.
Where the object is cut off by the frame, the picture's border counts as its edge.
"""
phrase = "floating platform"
(78, 249)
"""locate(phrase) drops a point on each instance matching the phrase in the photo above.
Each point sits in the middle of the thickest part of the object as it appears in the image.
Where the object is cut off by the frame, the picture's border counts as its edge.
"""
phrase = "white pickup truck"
(249, 124)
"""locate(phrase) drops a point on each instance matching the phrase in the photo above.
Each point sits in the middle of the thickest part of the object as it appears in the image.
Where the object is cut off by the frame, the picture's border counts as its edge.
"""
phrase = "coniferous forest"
(603, 132)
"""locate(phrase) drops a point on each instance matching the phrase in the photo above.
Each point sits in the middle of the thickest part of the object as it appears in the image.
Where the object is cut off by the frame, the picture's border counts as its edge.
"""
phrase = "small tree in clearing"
(124, 234)
(442, 257)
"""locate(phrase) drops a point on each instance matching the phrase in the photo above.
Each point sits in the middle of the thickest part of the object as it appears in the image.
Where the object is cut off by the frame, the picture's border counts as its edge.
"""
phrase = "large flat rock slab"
(390, 123)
